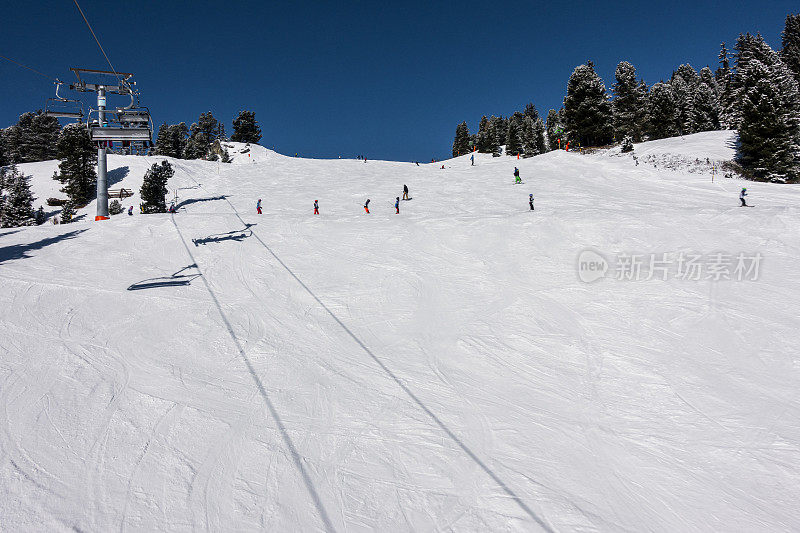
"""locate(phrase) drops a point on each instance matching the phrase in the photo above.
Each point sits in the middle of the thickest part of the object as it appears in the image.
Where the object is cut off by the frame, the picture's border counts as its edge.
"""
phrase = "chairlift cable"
(97, 41)
(29, 68)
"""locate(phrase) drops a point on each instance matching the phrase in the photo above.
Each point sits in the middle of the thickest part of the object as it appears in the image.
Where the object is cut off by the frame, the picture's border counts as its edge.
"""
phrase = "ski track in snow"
(441, 369)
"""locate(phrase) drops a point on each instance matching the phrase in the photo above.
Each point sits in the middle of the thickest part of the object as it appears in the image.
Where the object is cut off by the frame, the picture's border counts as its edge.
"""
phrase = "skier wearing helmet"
(530, 201)
(741, 197)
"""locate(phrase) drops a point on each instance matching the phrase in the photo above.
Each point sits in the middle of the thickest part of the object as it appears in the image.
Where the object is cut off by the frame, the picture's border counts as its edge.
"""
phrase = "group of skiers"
(366, 204)
(517, 180)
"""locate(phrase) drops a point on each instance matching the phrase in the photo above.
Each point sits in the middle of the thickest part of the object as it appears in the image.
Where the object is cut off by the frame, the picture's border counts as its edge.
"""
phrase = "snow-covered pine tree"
(197, 144)
(3, 157)
(769, 129)
(629, 104)
(484, 143)
(501, 128)
(513, 140)
(531, 111)
(77, 167)
(68, 211)
(178, 134)
(529, 147)
(492, 143)
(555, 129)
(707, 110)
(18, 205)
(627, 144)
(662, 111)
(162, 141)
(115, 208)
(539, 135)
(39, 216)
(245, 128)
(587, 111)
(461, 140)
(790, 41)
(226, 157)
(684, 85)
(32, 138)
(202, 133)
(154, 187)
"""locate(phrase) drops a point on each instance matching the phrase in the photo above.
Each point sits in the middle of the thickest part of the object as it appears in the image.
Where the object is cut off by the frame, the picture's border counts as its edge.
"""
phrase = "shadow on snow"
(178, 279)
(21, 251)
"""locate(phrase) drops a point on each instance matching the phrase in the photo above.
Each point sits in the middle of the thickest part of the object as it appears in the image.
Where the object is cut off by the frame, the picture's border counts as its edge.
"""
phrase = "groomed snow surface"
(444, 368)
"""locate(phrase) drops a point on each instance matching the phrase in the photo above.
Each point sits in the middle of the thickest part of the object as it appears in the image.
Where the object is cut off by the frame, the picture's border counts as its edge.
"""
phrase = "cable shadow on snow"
(446, 429)
(298, 462)
(178, 279)
(238, 235)
(22, 251)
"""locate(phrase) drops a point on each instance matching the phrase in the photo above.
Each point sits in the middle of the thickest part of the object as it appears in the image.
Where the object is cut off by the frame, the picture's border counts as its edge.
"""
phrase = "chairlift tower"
(131, 124)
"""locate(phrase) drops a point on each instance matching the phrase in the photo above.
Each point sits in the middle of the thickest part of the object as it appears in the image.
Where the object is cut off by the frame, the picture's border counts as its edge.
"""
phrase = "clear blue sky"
(388, 80)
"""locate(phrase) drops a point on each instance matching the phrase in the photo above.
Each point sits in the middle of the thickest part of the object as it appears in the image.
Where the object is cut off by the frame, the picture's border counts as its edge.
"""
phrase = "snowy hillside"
(444, 368)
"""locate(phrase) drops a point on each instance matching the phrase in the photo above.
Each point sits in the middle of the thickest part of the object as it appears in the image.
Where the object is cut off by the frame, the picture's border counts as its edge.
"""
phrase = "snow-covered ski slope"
(441, 369)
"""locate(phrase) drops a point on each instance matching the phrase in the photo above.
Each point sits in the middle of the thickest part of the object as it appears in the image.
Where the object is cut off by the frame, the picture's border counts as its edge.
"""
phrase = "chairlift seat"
(99, 134)
(64, 114)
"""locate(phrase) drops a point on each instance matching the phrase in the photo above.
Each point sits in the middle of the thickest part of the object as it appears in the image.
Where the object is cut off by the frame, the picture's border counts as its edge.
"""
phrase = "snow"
(444, 368)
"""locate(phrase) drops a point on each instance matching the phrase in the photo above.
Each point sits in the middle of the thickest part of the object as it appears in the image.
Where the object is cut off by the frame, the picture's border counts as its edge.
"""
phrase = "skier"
(258, 206)
(741, 197)
(530, 201)
(405, 192)
(130, 211)
(472, 159)
(517, 179)
(172, 207)
(366, 206)
(397, 206)
(316, 208)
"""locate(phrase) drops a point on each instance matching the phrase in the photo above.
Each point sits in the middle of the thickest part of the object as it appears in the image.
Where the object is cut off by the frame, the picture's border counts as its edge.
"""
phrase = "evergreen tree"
(77, 167)
(245, 128)
(492, 143)
(684, 85)
(32, 138)
(115, 208)
(163, 141)
(587, 112)
(539, 136)
(629, 104)
(769, 129)
(226, 157)
(707, 111)
(500, 128)
(531, 112)
(3, 157)
(529, 147)
(484, 143)
(154, 187)
(202, 133)
(40, 216)
(461, 141)
(67, 212)
(662, 111)
(18, 205)
(514, 135)
(627, 144)
(178, 134)
(790, 54)
(555, 129)
(197, 144)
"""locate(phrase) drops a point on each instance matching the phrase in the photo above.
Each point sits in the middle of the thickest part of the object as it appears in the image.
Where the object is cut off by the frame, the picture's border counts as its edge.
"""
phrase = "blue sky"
(388, 80)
